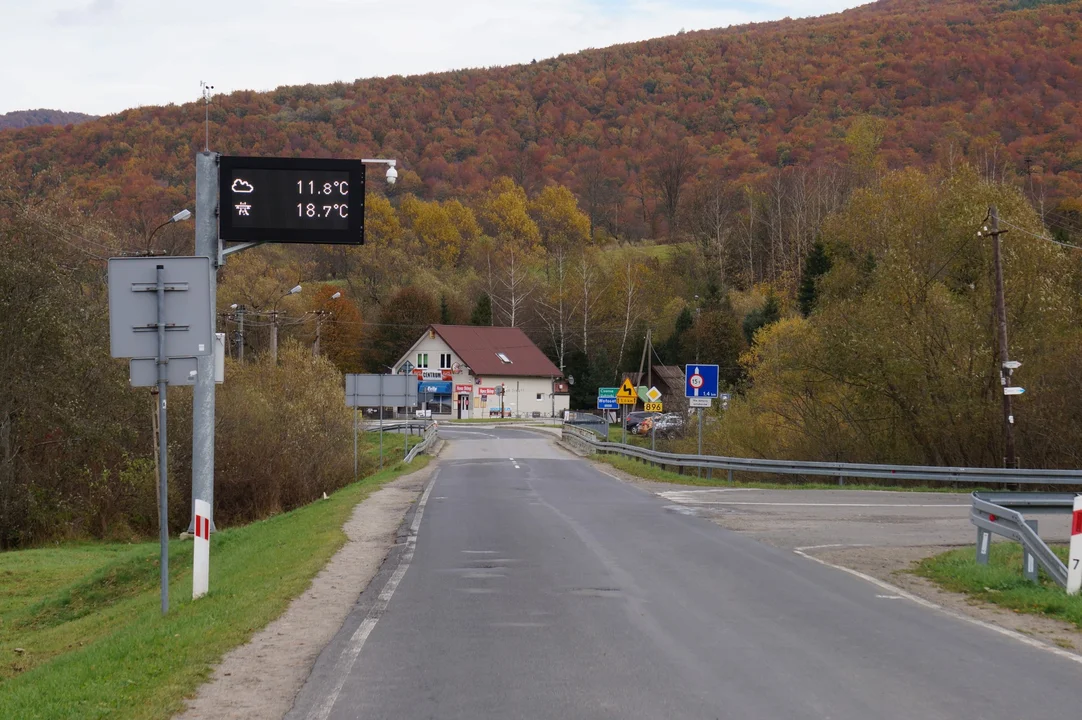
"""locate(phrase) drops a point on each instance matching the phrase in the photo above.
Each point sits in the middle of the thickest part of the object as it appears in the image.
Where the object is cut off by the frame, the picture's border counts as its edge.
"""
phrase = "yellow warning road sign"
(627, 394)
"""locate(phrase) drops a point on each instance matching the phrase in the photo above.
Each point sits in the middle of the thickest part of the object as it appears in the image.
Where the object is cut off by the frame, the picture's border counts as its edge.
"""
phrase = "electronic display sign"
(291, 200)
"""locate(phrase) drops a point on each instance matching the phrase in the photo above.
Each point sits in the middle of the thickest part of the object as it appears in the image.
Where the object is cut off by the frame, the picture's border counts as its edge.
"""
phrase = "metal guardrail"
(431, 432)
(928, 473)
(999, 513)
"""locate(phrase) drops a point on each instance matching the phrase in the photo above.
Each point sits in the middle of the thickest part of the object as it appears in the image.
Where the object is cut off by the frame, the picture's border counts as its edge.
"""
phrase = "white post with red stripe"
(201, 559)
(1074, 561)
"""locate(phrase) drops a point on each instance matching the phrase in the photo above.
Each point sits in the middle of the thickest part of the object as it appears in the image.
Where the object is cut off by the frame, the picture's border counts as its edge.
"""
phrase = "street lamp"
(392, 174)
(274, 322)
(179, 217)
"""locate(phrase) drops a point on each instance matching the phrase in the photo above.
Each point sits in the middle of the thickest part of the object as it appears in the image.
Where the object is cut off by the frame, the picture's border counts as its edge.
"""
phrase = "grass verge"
(1001, 581)
(649, 472)
(86, 622)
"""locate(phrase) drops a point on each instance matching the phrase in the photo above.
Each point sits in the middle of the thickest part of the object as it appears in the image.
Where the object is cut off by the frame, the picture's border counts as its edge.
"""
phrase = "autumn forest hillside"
(998, 82)
(802, 202)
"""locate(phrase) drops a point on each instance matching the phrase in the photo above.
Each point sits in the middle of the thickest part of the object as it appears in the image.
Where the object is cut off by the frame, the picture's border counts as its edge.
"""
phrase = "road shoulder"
(880, 546)
(261, 678)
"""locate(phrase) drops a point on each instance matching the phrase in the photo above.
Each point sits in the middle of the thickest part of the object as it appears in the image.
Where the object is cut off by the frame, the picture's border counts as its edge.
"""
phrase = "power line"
(1040, 237)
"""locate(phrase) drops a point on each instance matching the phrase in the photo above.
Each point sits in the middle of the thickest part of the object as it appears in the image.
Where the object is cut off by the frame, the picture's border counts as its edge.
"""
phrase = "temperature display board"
(291, 200)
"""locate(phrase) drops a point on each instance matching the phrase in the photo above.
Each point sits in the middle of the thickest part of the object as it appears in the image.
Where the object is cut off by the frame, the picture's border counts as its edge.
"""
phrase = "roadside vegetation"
(81, 635)
(1001, 581)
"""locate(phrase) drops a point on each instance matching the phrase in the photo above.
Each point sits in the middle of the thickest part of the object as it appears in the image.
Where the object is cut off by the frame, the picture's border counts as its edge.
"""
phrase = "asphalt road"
(536, 586)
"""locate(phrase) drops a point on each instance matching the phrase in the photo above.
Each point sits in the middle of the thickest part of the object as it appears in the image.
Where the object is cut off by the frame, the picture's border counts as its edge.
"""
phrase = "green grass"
(87, 618)
(1001, 581)
(649, 472)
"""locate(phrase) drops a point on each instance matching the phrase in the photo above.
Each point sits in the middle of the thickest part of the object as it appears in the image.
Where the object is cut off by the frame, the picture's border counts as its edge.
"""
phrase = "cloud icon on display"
(242, 186)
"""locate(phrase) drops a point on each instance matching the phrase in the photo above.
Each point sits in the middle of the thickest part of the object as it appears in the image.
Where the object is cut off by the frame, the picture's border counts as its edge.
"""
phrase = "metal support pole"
(1029, 560)
(984, 540)
(163, 444)
(381, 421)
(206, 245)
(653, 435)
(700, 439)
(623, 425)
(354, 443)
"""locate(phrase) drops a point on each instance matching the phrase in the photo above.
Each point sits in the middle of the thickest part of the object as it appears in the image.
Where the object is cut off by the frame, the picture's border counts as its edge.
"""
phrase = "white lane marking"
(481, 552)
(353, 649)
(823, 547)
(857, 505)
(516, 467)
(511, 459)
(894, 590)
(890, 597)
(675, 493)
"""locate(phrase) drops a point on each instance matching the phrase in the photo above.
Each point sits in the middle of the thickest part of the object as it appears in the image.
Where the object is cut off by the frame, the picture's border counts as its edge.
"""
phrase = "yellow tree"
(435, 229)
(504, 214)
(562, 226)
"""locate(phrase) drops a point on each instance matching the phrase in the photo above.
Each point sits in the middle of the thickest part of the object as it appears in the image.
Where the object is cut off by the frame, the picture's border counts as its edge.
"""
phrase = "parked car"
(634, 418)
(662, 425)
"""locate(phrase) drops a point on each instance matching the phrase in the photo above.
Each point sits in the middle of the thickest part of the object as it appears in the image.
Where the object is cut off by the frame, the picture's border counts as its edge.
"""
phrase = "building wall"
(520, 396)
(521, 392)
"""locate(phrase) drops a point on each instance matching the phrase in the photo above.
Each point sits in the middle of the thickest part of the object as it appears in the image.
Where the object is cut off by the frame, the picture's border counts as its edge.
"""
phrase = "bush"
(283, 438)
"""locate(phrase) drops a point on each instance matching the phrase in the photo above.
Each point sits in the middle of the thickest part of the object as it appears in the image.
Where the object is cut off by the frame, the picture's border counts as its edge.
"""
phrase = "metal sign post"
(163, 330)
(377, 390)
(700, 438)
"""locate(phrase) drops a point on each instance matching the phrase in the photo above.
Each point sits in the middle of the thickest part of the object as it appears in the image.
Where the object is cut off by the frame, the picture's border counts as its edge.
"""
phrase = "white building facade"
(484, 372)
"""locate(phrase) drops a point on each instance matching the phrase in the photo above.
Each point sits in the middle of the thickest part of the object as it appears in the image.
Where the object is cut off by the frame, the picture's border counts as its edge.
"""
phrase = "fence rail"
(1001, 513)
(430, 434)
(972, 477)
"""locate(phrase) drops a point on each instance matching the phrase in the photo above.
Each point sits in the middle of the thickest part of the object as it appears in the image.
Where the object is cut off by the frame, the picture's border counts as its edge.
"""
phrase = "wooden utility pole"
(642, 360)
(1001, 318)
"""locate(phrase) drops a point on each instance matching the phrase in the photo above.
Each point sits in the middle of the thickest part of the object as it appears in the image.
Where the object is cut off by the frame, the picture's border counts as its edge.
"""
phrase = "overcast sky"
(102, 56)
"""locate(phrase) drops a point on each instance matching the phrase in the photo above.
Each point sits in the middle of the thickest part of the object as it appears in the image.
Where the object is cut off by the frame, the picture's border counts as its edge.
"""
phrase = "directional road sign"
(627, 394)
(702, 381)
(607, 403)
(607, 392)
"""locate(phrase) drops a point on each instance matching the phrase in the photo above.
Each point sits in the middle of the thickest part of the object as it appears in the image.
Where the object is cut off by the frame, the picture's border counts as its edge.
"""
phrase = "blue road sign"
(701, 381)
(607, 403)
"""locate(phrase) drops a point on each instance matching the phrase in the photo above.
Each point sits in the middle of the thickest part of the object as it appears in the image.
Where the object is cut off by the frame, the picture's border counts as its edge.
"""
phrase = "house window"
(422, 360)
(540, 396)
(445, 361)
(503, 358)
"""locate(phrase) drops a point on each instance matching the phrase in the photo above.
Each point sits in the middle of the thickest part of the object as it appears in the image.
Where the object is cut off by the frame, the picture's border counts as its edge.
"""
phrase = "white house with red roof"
(469, 371)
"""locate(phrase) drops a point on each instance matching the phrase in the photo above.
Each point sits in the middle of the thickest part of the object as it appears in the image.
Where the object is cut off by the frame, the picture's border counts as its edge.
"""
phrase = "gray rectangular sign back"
(398, 390)
(143, 372)
(133, 307)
